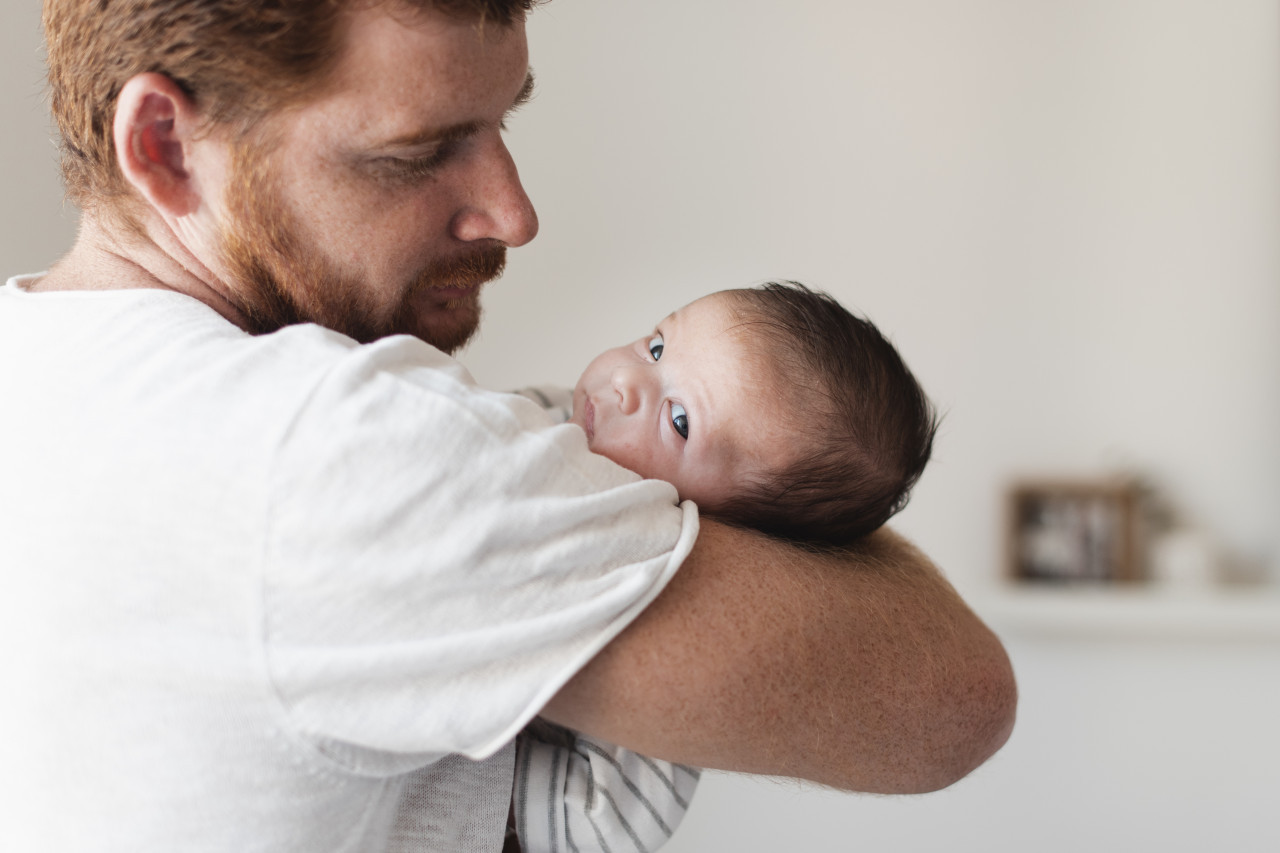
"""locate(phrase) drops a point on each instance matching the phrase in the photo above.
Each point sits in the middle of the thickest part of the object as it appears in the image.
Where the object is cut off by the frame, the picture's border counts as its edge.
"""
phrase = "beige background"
(1066, 213)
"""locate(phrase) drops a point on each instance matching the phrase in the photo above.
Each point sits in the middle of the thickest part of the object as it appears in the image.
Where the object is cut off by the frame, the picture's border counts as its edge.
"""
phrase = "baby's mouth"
(589, 419)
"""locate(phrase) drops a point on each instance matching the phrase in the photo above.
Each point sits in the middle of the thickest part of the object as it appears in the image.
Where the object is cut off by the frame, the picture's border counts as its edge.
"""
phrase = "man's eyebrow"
(525, 95)
(432, 136)
(455, 132)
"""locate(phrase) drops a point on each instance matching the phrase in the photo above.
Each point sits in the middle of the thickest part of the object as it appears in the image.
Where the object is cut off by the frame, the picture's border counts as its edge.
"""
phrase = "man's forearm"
(862, 670)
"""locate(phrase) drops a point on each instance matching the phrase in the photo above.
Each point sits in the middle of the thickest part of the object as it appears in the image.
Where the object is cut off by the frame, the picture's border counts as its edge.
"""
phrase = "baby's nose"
(629, 382)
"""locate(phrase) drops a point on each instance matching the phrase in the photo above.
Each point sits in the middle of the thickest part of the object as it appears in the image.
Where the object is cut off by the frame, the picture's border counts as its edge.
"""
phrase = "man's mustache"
(464, 271)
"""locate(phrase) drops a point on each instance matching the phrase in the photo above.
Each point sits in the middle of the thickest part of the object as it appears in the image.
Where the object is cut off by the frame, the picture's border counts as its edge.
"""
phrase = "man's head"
(322, 160)
(774, 408)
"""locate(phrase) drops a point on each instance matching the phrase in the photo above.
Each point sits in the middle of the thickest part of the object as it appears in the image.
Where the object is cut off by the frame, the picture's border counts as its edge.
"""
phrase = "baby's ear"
(155, 124)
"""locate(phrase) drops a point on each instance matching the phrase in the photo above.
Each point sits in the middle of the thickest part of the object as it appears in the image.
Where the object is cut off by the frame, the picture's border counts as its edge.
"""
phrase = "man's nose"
(496, 206)
(632, 384)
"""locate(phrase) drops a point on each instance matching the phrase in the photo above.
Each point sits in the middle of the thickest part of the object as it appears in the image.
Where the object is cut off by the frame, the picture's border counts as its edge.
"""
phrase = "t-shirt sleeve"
(441, 559)
(573, 792)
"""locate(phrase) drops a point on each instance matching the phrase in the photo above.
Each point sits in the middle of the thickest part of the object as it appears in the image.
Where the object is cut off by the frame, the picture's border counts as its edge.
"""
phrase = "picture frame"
(1075, 531)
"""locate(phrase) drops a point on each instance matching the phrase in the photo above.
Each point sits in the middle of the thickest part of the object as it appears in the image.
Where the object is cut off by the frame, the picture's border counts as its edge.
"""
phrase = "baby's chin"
(583, 414)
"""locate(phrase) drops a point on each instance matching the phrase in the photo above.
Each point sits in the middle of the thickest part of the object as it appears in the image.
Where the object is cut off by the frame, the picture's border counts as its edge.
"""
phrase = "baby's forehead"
(732, 326)
(766, 431)
(725, 314)
(763, 344)
(768, 373)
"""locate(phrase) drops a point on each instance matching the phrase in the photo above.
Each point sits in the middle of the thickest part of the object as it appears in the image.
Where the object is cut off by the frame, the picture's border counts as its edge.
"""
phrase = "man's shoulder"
(159, 357)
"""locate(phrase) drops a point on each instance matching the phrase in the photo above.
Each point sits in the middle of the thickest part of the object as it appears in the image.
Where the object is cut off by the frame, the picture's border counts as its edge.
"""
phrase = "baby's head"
(773, 408)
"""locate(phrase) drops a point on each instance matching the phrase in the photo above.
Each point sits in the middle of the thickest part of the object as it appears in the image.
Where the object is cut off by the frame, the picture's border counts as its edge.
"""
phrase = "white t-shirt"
(287, 592)
(574, 792)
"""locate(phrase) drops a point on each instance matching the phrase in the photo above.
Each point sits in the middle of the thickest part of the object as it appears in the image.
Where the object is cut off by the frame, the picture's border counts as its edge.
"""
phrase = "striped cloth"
(574, 794)
(557, 401)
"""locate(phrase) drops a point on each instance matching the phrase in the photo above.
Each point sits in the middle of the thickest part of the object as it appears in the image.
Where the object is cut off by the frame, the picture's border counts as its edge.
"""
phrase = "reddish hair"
(236, 59)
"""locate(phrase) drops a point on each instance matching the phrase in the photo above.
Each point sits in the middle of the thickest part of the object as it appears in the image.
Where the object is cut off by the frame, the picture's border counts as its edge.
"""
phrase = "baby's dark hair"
(866, 423)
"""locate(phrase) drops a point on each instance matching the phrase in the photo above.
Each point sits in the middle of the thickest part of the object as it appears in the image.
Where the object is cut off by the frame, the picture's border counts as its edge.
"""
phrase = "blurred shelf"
(1136, 612)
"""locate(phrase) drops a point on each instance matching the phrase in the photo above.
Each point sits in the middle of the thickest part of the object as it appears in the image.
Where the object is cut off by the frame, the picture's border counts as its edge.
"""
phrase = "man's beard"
(277, 279)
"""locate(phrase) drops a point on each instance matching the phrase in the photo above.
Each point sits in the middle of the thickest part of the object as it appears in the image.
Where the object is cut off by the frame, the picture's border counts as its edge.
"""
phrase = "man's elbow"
(929, 730)
(978, 720)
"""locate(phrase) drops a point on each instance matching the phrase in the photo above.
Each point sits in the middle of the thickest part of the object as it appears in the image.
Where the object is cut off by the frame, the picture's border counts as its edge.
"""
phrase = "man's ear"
(155, 125)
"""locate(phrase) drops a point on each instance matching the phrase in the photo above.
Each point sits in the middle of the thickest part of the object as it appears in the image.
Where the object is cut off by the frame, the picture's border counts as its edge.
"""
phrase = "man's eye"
(419, 166)
(679, 418)
(408, 168)
(655, 347)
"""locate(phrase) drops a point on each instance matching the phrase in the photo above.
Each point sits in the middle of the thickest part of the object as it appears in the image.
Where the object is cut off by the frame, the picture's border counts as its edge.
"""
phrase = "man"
(290, 581)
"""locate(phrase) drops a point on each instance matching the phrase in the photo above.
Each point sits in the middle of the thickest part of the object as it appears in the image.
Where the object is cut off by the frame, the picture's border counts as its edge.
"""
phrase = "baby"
(772, 408)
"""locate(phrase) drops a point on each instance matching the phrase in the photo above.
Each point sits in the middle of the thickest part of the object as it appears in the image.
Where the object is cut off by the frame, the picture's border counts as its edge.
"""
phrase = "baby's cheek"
(637, 456)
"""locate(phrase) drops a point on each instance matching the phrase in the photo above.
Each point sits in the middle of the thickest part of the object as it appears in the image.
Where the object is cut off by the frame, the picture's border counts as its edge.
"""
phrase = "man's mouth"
(468, 271)
(460, 278)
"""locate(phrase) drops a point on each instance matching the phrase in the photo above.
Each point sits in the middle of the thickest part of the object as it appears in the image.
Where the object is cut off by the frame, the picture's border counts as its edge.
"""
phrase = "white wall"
(1066, 213)
(1068, 216)
(1121, 747)
(35, 226)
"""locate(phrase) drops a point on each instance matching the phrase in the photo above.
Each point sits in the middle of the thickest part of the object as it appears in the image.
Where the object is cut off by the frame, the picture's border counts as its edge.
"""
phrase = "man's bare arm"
(864, 671)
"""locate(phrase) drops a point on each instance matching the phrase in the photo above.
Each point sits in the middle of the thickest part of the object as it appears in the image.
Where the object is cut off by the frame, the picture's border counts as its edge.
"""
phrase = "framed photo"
(1075, 531)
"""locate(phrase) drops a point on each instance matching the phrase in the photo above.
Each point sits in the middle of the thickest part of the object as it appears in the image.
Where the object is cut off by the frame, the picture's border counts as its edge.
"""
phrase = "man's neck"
(103, 258)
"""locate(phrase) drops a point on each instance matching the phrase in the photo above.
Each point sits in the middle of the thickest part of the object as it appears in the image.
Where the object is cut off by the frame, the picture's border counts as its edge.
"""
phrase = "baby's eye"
(679, 419)
(655, 347)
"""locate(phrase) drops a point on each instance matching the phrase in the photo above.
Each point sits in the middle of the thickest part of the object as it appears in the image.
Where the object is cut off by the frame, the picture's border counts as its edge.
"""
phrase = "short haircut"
(237, 59)
(864, 427)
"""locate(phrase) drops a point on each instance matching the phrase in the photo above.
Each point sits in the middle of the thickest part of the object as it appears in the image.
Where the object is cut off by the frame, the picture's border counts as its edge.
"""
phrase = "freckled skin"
(827, 672)
(860, 669)
(396, 80)
(397, 181)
